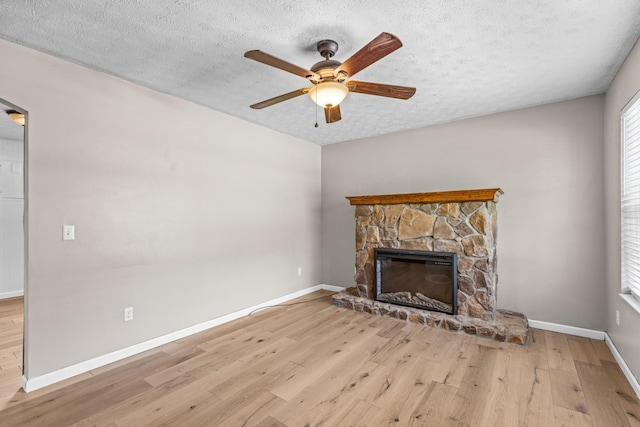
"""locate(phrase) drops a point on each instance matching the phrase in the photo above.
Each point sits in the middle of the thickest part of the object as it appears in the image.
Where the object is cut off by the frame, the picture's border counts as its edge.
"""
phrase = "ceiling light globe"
(18, 118)
(328, 94)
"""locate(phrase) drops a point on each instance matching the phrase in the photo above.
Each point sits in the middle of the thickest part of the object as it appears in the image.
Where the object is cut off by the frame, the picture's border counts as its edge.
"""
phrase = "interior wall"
(624, 336)
(181, 212)
(11, 218)
(548, 161)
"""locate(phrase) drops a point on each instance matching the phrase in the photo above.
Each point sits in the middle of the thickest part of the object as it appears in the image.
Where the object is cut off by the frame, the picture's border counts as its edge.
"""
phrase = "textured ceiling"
(466, 58)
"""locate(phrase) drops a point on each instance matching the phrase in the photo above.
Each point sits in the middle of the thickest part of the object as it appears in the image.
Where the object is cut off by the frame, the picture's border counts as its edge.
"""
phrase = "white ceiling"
(466, 58)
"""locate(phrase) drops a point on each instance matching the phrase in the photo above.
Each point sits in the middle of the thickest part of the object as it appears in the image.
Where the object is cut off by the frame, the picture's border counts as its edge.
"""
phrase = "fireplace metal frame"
(427, 257)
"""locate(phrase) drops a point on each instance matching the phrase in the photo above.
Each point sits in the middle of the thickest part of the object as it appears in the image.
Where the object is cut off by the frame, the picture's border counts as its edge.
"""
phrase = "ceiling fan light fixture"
(328, 94)
(328, 76)
(18, 118)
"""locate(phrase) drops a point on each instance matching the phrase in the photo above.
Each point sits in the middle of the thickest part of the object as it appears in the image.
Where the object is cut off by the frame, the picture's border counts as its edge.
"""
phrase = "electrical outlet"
(68, 232)
(299, 271)
(128, 314)
(618, 317)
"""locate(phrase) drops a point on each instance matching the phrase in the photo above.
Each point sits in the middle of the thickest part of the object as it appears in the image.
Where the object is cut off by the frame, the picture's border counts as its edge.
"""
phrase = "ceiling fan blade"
(332, 114)
(377, 49)
(265, 58)
(400, 92)
(280, 98)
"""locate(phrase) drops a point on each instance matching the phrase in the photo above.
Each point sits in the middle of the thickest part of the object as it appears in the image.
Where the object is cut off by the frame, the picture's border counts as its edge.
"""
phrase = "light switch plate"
(68, 232)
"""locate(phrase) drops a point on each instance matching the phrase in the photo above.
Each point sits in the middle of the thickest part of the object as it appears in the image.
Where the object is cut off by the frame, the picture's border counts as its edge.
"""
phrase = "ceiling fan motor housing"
(325, 69)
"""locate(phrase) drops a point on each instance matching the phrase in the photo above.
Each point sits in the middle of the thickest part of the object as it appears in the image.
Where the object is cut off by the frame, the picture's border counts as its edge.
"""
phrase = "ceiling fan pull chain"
(316, 94)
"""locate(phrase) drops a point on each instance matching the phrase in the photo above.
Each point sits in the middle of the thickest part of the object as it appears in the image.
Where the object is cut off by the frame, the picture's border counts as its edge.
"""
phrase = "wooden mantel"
(484, 195)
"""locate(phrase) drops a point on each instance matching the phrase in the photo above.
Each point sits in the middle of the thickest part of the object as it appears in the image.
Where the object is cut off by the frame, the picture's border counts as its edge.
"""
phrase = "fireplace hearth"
(461, 223)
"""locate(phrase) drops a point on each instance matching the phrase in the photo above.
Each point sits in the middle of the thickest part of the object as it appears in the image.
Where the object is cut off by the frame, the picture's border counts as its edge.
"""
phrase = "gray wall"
(548, 161)
(625, 337)
(184, 213)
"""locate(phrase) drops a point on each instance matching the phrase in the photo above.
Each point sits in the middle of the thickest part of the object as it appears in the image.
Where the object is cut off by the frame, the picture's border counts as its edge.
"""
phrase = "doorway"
(12, 244)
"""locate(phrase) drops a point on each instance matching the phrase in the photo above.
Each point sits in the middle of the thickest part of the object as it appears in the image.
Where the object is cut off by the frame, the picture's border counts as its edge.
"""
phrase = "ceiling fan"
(329, 76)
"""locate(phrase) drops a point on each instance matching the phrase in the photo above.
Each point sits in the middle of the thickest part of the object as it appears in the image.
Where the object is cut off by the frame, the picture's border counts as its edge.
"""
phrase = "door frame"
(25, 140)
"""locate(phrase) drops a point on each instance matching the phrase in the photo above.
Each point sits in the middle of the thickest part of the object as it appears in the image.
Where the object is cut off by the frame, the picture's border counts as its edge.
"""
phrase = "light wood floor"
(11, 325)
(314, 364)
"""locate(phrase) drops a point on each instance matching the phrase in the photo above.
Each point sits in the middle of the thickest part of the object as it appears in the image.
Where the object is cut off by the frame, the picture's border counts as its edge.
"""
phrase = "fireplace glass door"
(421, 279)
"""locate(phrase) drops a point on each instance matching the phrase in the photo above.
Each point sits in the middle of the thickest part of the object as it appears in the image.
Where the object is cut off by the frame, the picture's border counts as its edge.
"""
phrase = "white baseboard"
(623, 366)
(596, 335)
(31, 384)
(62, 374)
(332, 288)
(569, 330)
(4, 295)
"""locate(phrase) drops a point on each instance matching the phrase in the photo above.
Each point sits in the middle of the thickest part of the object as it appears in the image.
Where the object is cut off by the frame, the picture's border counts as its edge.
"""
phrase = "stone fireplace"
(462, 222)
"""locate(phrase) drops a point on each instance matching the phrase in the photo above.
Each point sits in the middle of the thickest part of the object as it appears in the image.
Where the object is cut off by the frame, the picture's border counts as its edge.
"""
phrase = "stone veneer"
(464, 222)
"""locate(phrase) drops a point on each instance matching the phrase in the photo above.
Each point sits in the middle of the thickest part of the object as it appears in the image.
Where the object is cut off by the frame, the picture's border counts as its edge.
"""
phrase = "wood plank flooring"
(312, 364)
(11, 326)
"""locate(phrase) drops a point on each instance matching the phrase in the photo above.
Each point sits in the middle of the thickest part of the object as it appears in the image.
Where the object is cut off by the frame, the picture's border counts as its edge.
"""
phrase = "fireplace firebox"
(421, 279)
